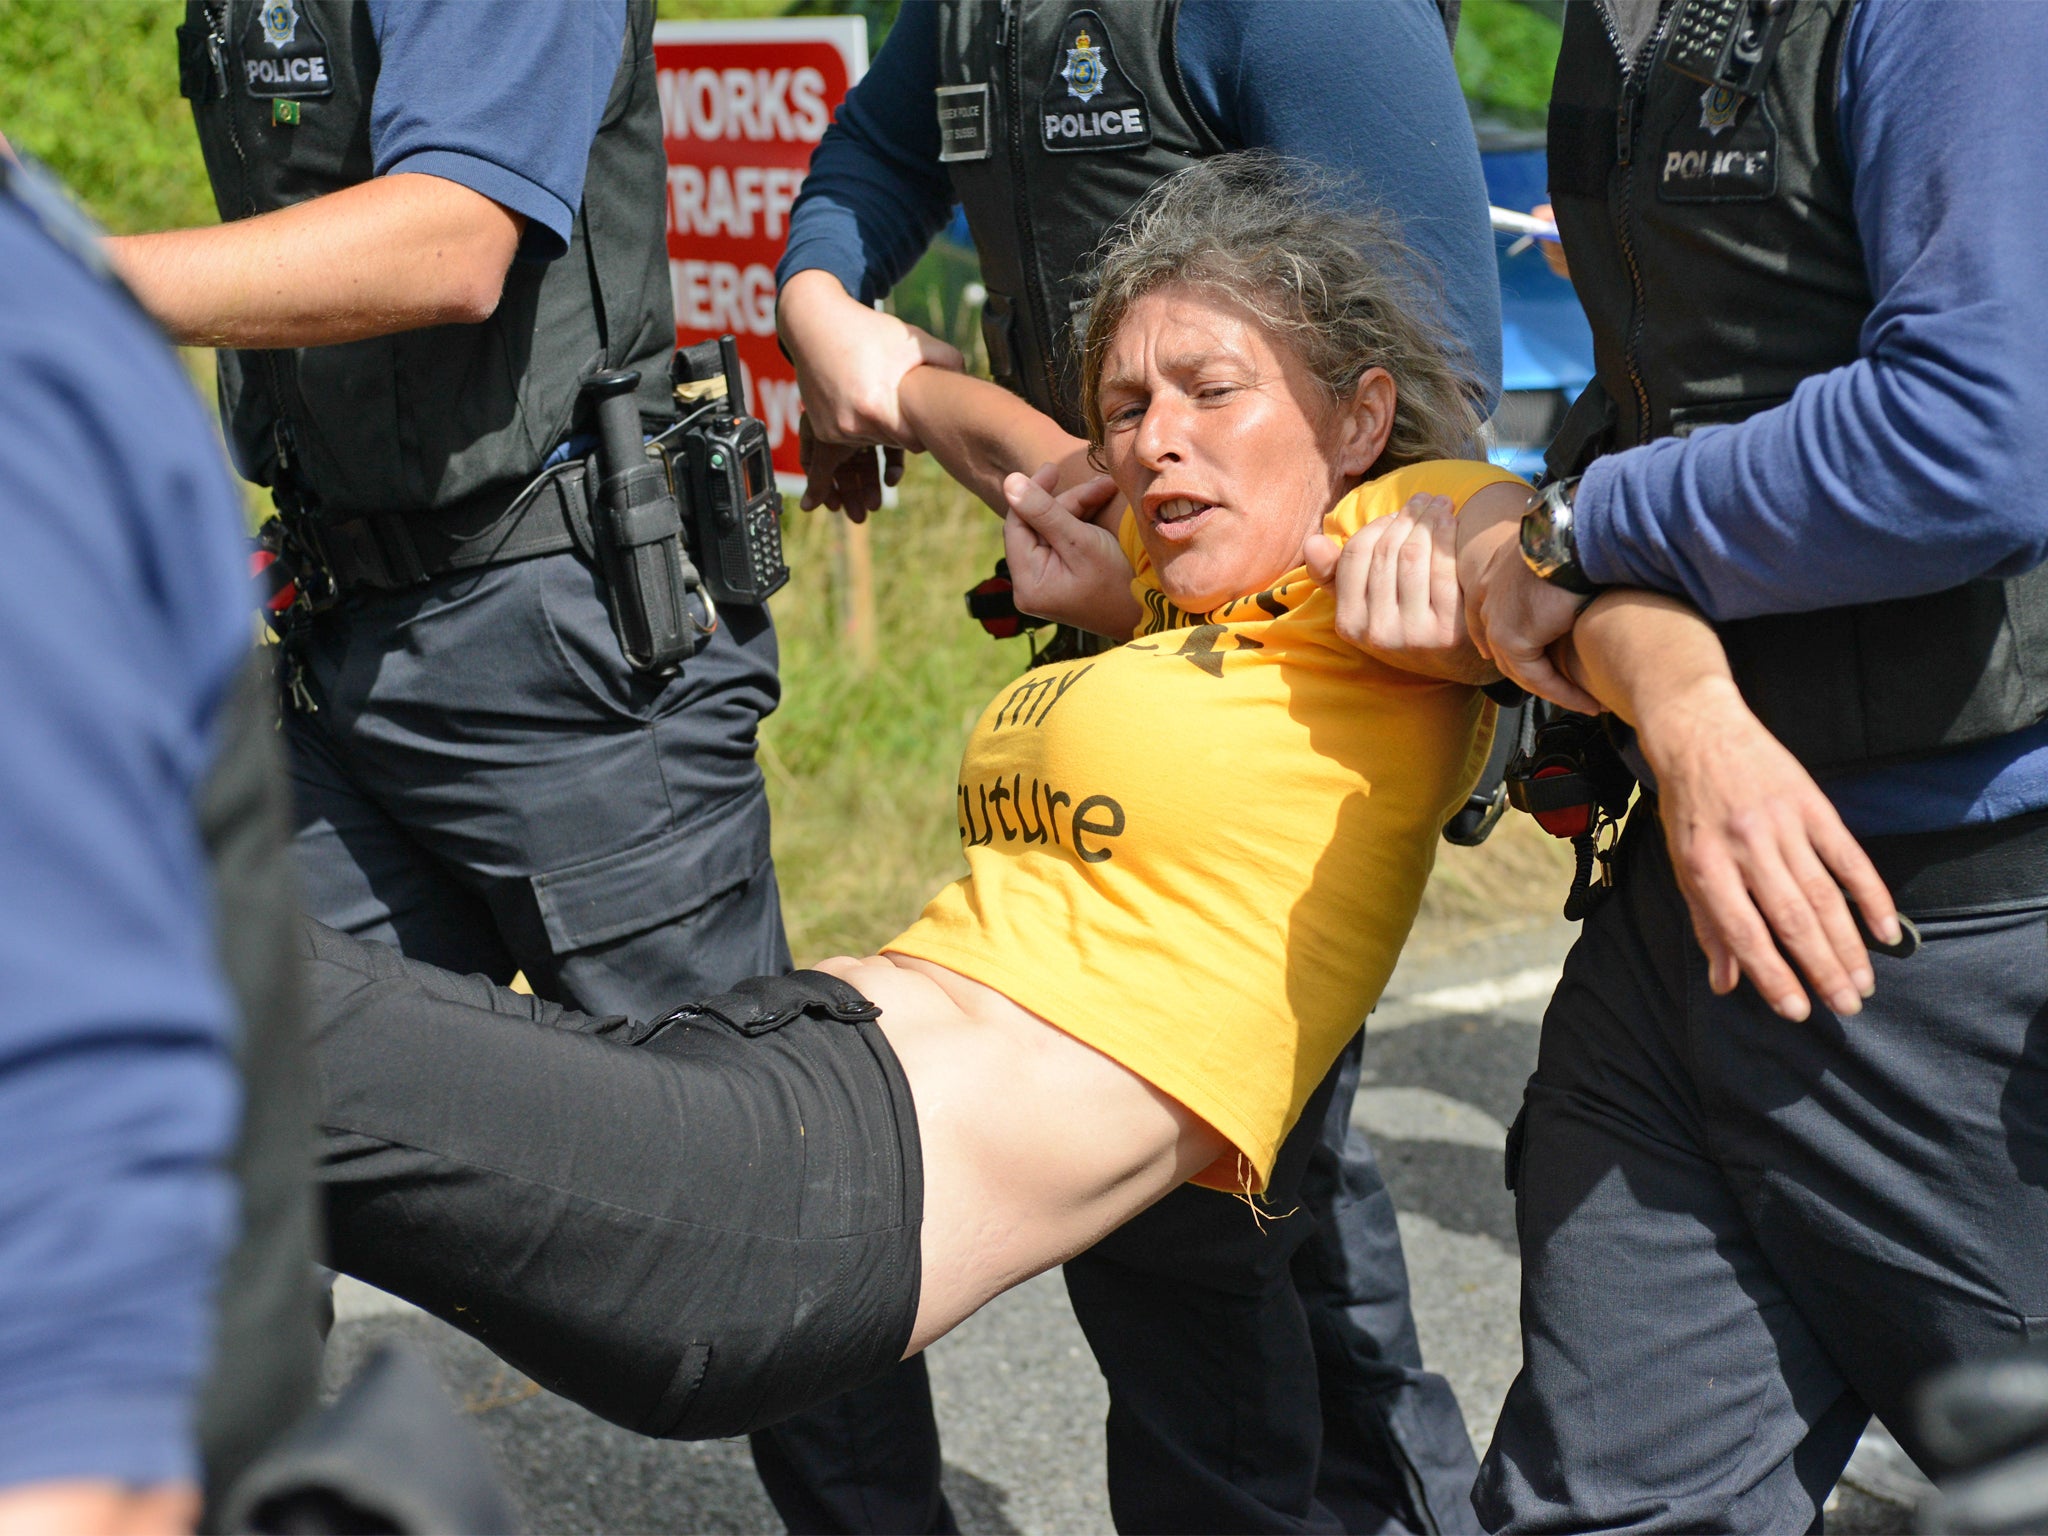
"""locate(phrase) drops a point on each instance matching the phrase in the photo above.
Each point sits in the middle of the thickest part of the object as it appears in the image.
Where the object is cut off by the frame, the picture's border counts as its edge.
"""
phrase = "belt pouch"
(651, 584)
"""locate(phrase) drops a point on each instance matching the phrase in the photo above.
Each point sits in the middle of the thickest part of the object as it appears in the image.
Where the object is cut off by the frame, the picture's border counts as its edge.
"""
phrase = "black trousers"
(1264, 1374)
(692, 1231)
(1741, 1236)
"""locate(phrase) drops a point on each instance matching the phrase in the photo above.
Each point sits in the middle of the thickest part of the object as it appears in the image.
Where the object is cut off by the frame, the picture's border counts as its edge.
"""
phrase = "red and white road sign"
(743, 104)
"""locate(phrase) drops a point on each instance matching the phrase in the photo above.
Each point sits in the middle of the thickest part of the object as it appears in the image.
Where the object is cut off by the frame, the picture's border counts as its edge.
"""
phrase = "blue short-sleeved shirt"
(502, 96)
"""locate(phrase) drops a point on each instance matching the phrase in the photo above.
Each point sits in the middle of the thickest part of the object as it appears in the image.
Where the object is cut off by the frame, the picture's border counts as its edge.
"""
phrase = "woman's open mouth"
(1178, 517)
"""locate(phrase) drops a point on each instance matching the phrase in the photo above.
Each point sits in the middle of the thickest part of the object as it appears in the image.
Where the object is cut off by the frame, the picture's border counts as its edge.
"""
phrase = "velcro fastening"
(763, 1004)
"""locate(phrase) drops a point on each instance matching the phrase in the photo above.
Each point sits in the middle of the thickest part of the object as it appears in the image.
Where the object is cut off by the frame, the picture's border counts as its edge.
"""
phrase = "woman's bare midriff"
(1035, 1145)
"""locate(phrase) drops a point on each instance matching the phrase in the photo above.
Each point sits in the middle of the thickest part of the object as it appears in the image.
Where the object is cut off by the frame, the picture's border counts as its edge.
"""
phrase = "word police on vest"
(310, 71)
(1692, 164)
(1094, 125)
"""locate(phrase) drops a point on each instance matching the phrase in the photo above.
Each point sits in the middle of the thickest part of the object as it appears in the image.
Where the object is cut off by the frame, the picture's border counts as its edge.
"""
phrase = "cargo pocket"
(654, 883)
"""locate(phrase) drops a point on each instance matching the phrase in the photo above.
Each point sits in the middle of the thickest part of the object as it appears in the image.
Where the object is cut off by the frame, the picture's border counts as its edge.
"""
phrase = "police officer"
(1753, 1214)
(439, 219)
(1261, 1379)
(161, 1357)
(137, 790)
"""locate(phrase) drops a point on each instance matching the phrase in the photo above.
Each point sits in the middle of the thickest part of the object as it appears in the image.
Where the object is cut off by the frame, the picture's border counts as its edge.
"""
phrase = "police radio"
(1727, 43)
(718, 464)
(652, 590)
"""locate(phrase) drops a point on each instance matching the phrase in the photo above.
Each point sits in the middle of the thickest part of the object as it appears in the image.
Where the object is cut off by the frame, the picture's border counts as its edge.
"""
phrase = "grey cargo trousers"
(488, 787)
(1741, 1236)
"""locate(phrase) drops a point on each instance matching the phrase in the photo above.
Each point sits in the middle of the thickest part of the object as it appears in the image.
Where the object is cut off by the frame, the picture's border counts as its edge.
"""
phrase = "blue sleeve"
(1922, 464)
(122, 619)
(1367, 88)
(876, 193)
(503, 96)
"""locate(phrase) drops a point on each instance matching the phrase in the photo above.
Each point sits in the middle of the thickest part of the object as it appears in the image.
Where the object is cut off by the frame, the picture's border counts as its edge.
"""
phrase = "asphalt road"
(1019, 1400)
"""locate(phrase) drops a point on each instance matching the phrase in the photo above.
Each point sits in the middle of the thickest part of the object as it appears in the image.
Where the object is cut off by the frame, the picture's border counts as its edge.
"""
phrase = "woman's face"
(1226, 448)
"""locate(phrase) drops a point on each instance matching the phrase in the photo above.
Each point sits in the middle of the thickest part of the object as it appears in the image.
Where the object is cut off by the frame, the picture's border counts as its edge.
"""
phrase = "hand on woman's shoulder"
(1389, 556)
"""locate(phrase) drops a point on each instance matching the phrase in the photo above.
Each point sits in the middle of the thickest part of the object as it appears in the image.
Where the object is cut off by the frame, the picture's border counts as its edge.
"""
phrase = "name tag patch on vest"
(283, 54)
(1089, 103)
(1728, 154)
(963, 122)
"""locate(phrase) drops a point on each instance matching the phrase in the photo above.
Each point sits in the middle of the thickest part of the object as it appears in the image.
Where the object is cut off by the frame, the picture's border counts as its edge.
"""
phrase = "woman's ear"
(1364, 424)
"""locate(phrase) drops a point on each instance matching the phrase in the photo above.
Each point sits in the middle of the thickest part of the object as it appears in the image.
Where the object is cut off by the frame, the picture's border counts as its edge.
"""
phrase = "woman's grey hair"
(1340, 288)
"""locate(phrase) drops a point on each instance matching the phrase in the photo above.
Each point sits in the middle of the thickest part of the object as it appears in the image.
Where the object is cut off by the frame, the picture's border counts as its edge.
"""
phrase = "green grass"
(861, 761)
(92, 91)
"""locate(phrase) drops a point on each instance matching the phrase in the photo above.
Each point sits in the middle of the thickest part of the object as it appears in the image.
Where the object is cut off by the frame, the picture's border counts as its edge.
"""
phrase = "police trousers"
(487, 786)
(1741, 1236)
(1264, 1374)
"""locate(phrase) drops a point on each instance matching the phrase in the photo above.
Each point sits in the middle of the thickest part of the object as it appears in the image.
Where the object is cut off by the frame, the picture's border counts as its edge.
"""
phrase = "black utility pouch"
(659, 608)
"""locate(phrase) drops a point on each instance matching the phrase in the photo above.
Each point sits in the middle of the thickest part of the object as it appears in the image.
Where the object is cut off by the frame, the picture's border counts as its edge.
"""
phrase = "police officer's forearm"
(398, 253)
(850, 360)
(980, 433)
(1760, 854)
(1640, 653)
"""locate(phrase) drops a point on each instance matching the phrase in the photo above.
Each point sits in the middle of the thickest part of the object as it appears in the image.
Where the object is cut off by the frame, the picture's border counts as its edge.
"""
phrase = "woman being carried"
(1192, 862)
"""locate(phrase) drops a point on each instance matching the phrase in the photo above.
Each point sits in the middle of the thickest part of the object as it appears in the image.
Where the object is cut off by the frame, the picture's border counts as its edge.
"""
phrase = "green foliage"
(861, 761)
(92, 91)
(716, 10)
(880, 14)
(1506, 55)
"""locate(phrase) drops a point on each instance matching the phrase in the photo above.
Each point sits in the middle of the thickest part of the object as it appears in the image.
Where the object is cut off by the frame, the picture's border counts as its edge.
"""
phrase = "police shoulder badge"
(280, 23)
(1719, 107)
(284, 55)
(1089, 103)
(1084, 68)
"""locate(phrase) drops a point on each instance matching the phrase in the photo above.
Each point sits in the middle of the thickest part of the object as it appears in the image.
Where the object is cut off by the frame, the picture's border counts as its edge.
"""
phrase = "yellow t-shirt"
(1201, 852)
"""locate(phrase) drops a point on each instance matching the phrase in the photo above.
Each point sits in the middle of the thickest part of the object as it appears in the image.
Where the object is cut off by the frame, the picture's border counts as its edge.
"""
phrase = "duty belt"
(387, 552)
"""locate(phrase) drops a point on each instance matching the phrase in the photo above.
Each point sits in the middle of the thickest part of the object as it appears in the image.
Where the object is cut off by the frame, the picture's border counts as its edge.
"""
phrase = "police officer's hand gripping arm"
(1759, 851)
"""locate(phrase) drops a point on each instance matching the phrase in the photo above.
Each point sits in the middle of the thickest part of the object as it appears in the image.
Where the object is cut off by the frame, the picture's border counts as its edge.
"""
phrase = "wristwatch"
(1550, 547)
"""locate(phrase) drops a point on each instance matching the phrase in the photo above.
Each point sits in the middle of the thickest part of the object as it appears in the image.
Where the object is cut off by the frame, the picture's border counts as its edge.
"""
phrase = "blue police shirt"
(502, 96)
(124, 613)
(1365, 88)
(1923, 464)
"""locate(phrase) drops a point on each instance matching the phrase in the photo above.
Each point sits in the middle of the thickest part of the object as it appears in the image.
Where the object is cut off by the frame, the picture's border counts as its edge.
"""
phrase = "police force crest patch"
(280, 23)
(284, 56)
(1084, 69)
(1089, 103)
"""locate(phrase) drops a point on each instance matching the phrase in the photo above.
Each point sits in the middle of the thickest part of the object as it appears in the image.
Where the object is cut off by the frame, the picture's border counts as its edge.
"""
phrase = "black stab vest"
(435, 418)
(1049, 141)
(1713, 243)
